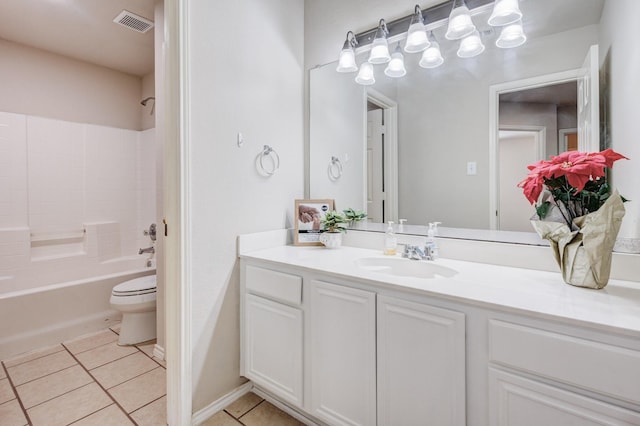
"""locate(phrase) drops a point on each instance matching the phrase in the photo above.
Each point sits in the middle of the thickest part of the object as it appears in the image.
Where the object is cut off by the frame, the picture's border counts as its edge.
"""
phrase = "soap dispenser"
(431, 246)
(390, 241)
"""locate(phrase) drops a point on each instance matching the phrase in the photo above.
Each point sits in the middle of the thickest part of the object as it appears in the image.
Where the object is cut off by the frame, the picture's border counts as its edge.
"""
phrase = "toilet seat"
(135, 287)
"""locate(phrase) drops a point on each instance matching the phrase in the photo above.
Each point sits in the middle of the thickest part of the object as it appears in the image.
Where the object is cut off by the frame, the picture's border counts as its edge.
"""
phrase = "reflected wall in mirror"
(443, 115)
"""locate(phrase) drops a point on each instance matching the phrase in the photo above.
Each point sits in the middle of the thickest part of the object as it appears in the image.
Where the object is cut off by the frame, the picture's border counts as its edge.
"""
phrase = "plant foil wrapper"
(584, 255)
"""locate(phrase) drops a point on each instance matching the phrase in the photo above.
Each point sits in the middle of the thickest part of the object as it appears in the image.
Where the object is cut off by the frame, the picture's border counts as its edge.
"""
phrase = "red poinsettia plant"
(577, 183)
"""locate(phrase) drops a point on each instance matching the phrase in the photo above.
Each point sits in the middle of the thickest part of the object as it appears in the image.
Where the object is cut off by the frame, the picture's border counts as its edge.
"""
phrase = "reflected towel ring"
(267, 151)
(335, 169)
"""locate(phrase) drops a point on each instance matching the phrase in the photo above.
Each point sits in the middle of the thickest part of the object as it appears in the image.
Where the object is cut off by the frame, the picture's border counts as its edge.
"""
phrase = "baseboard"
(202, 415)
(158, 352)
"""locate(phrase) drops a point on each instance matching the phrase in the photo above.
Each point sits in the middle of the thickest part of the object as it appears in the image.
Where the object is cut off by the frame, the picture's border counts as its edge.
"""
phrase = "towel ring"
(335, 169)
(267, 151)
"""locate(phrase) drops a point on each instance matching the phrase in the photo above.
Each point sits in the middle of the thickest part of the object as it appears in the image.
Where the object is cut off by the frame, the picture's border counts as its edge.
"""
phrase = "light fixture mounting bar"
(433, 14)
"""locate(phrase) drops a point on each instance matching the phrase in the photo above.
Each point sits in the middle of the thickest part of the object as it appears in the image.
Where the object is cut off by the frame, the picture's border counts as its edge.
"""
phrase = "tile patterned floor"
(91, 381)
(86, 381)
(251, 410)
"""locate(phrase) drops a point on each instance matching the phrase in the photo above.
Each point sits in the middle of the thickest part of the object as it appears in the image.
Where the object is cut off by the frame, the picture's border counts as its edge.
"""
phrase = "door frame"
(177, 207)
(390, 111)
(495, 91)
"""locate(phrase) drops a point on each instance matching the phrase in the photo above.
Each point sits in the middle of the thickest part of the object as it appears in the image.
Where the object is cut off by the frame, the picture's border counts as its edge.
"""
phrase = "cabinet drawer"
(274, 285)
(602, 368)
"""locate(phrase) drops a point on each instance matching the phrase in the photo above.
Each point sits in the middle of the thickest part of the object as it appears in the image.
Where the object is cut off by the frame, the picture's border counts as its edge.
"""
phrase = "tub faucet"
(151, 250)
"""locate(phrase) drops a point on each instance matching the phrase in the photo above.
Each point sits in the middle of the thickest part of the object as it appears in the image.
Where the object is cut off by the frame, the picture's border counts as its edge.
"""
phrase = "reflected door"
(517, 149)
(375, 166)
(589, 103)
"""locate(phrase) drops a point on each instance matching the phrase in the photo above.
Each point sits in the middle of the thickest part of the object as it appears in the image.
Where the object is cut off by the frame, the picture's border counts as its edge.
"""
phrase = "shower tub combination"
(55, 297)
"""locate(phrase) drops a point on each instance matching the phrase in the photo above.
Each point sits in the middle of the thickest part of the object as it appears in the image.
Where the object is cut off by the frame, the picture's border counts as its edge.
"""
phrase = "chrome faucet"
(151, 250)
(414, 252)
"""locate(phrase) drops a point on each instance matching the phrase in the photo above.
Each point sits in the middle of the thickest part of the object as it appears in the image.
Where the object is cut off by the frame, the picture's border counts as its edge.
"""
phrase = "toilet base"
(137, 327)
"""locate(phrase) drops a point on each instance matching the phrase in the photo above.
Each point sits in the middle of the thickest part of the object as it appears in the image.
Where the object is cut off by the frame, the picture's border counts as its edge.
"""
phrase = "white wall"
(619, 27)
(41, 83)
(245, 74)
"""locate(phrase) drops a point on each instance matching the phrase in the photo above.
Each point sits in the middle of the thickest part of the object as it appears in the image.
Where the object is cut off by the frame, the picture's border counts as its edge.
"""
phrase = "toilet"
(136, 299)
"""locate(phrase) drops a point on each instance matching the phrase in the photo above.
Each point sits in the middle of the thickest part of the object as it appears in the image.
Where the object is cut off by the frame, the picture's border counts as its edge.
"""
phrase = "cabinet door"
(421, 364)
(273, 347)
(342, 354)
(517, 401)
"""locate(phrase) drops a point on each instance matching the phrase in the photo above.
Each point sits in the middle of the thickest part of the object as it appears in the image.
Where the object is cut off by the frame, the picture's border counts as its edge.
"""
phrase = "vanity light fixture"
(460, 23)
(416, 32)
(511, 35)
(432, 57)
(505, 12)
(471, 45)
(365, 74)
(396, 68)
(347, 61)
(417, 39)
(380, 47)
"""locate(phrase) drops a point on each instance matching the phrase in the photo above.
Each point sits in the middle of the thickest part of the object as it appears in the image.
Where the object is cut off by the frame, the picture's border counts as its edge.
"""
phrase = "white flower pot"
(331, 239)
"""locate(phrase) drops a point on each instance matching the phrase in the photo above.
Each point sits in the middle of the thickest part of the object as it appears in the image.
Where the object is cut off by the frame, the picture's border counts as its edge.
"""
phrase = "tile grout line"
(34, 359)
(151, 357)
(253, 408)
(148, 403)
(101, 387)
(46, 375)
(15, 392)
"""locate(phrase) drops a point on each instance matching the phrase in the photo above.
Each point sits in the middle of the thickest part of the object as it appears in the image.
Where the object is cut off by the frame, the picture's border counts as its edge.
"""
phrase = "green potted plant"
(354, 216)
(334, 224)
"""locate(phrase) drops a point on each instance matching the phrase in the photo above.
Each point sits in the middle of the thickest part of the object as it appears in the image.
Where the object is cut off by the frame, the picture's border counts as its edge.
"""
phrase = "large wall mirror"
(448, 149)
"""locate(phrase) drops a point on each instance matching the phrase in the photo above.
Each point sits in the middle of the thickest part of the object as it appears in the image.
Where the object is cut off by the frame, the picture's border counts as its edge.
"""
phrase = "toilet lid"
(142, 285)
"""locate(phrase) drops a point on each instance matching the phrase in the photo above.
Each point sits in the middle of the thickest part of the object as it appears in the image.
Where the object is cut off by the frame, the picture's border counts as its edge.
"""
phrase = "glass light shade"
(379, 51)
(417, 39)
(431, 58)
(396, 65)
(347, 61)
(460, 23)
(471, 46)
(365, 74)
(511, 36)
(505, 12)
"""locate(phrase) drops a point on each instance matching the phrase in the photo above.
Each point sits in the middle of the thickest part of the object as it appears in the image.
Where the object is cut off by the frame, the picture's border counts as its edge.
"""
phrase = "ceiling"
(564, 94)
(83, 30)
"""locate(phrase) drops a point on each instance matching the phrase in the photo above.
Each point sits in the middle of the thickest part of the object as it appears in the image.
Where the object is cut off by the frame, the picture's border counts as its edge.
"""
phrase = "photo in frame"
(308, 216)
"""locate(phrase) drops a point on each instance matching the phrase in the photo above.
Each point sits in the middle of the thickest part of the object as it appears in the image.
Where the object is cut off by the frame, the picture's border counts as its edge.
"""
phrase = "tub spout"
(151, 250)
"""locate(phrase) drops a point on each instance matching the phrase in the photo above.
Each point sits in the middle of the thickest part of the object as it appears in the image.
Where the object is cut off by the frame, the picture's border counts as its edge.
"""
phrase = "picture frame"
(308, 216)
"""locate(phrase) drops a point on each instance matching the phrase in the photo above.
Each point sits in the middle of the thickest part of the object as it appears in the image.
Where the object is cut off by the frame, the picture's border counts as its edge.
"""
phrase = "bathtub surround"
(75, 199)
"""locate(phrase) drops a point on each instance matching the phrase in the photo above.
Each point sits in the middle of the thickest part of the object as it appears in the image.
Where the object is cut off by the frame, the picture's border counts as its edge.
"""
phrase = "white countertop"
(539, 293)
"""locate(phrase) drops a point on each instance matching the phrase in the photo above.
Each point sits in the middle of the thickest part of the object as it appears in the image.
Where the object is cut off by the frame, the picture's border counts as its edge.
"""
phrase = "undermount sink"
(405, 267)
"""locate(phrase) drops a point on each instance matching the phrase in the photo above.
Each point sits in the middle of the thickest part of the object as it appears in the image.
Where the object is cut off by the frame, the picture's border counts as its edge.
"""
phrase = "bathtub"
(49, 314)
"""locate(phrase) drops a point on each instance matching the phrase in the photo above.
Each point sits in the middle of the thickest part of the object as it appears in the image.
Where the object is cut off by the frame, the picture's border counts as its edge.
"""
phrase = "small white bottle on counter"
(390, 241)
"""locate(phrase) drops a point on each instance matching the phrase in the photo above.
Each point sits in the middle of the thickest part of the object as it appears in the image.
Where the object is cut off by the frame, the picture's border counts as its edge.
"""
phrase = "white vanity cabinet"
(341, 334)
(421, 364)
(272, 332)
(538, 375)
(349, 348)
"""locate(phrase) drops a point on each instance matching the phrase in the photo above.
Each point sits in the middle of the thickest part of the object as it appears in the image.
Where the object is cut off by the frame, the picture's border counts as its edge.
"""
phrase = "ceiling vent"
(133, 22)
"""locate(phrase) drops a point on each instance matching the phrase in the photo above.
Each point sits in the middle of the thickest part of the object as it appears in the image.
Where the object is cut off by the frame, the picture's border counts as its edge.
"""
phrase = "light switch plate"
(472, 168)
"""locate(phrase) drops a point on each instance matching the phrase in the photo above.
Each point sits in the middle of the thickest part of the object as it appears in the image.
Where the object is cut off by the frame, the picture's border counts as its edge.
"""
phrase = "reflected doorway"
(381, 158)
